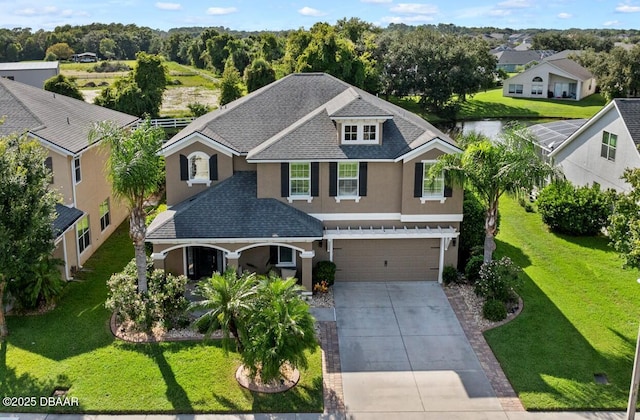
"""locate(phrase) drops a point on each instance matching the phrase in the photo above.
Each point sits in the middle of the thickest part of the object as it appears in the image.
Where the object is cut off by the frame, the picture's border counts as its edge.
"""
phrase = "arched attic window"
(537, 79)
(199, 168)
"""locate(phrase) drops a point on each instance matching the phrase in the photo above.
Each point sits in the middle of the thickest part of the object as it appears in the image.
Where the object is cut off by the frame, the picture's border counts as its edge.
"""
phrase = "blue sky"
(293, 14)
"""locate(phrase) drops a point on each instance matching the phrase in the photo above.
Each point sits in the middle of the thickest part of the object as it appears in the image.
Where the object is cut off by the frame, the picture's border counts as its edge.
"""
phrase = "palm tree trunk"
(234, 330)
(3, 321)
(491, 220)
(138, 233)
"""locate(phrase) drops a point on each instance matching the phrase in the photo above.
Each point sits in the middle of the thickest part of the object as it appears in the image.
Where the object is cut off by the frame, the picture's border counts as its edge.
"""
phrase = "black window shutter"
(362, 181)
(417, 186)
(333, 179)
(448, 189)
(213, 168)
(284, 179)
(184, 168)
(315, 179)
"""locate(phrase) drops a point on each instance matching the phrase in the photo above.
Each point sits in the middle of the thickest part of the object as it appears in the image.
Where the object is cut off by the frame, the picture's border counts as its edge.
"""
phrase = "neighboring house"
(85, 57)
(32, 73)
(601, 149)
(307, 169)
(553, 78)
(87, 213)
(551, 135)
(510, 60)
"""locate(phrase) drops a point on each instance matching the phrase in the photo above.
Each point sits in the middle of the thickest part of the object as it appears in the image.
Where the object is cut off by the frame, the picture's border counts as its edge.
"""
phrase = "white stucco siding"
(582, 164)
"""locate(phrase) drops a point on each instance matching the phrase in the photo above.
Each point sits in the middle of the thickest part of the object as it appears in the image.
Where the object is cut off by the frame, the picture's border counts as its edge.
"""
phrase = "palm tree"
(135, 170)
(281, 329)
(510, 164)
(228, 299)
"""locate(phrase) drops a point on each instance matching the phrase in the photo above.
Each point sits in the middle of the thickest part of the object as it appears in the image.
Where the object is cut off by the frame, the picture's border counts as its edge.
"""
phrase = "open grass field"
(72, 347)
(580, 318)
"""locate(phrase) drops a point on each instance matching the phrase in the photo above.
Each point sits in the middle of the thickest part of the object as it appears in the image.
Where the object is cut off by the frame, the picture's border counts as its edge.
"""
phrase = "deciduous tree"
(64, 86)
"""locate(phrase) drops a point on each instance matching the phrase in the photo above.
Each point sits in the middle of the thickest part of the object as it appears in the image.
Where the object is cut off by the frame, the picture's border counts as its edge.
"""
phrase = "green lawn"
(72, 347)
(580, 318)
(491, 104)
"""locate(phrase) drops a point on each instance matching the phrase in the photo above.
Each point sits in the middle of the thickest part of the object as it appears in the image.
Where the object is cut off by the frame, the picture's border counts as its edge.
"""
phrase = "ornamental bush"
(324, 271)
(579, 211)
(494, 310)
(498, 280)
(450, 275)
(472, 269)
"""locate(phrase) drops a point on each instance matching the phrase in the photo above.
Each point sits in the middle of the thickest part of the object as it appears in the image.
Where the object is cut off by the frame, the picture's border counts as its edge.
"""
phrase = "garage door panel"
(386, 259)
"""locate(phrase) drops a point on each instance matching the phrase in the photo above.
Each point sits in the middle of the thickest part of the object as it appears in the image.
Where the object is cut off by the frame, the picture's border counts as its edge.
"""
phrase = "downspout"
(441, 260)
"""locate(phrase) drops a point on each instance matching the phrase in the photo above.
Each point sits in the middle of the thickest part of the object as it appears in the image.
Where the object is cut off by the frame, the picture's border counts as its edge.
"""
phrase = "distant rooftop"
(30, 65)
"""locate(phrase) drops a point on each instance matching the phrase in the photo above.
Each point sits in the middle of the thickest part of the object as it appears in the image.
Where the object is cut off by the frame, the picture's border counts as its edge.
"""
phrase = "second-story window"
(432, 187)
(360, 133)
(609, 143)
(369, 133)
(347, 179)
(198, 167)
(300, 179)
(105, 214)
(76, 169)
(350, 133)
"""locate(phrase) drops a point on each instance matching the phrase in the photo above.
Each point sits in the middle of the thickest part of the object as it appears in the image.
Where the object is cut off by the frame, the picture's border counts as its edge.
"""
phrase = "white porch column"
(158, 260)
(441, 259)
(307, 268)
(232, 259)
(330, 246)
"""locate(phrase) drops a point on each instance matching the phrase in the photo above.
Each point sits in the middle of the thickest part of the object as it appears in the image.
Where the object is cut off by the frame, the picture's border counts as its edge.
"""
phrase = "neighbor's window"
(515, 88)
(300, 179)
(348, 179)
(536, 86)
(105, 214)
(432, 187)
(286, 257)
(84, 236)
(609, 142)
(76, 169)
(198, 166)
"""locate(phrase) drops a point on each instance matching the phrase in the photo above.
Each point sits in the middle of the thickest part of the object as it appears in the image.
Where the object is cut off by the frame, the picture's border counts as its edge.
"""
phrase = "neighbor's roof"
(508, 57)
(65, 218)
(52, 117)
(231, 210)
(292, 119)
(552, 134)
(30, 65)
(571, 67)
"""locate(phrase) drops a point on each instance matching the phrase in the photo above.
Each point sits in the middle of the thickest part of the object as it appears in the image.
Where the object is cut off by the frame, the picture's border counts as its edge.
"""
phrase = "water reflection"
(490, 128)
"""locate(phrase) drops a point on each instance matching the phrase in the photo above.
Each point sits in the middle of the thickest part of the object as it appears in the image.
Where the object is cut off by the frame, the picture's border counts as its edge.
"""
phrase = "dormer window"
(199, 168)
(365, 132)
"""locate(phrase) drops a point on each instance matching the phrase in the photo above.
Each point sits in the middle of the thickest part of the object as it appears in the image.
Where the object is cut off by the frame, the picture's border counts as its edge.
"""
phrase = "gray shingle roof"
(518, 57)
(61, 120)
(231, 209)
(630, 113)
(294, 115)
(30, 65)
(65, 217)
(572, 67)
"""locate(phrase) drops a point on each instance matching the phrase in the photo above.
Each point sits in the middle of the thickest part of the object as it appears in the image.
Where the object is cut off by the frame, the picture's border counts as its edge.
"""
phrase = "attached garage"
(386, 259)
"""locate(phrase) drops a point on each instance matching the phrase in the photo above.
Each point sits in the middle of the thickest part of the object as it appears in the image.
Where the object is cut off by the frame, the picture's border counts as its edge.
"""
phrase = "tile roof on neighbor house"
(55, 118)
(630, 112)
(292, 118)
(65, 218)
(233, 211)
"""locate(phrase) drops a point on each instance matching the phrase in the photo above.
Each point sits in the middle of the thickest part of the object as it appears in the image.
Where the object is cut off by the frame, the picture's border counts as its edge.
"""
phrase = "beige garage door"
(386, 259)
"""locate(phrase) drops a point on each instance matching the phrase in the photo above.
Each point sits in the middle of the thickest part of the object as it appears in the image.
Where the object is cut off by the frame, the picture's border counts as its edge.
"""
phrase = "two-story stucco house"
(306, 169)
(87, 213)
(602, 148)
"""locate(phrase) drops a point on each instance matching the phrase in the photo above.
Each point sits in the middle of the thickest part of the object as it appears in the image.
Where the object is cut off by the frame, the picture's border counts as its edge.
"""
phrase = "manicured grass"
(72, 346)
(491, 104)
(580, 318)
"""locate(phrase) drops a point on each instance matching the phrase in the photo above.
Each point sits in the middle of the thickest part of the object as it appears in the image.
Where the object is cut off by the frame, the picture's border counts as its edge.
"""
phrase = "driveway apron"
(403, 350)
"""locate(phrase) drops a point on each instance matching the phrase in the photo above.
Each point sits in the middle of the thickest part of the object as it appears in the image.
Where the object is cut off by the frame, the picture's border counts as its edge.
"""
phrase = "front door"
(203, 262)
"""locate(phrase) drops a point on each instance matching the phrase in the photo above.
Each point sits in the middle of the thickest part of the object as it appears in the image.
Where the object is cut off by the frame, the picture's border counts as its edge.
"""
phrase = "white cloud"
(47, 10)
(408, 19)
(168, 6)
(310, 11)
(515, 4)
(499, 13)
(221, 10)
(376, 1)
(29, 11)
(627, 8)
(565, 15)
(415, 9)
(611, 23)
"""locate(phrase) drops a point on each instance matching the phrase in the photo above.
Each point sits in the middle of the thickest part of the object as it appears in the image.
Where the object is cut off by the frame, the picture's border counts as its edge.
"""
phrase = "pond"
(489, 127)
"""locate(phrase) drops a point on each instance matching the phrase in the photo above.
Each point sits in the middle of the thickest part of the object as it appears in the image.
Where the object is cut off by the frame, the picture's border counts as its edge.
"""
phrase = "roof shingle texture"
(65, 217)
(232, 210)
(630, 113)
(58, 119)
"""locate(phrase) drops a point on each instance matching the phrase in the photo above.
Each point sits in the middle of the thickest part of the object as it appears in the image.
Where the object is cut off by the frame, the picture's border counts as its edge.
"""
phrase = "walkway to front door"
(402, 350)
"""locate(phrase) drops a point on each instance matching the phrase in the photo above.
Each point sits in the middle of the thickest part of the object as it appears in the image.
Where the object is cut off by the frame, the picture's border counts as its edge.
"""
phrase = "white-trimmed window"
(84, 234)
(105, 214)
(515, 88)
(348, 179)
(609, 144)
(432, 188)
(350, 132)
(286, 257)
(360, 133)
(300, 179)
(198, 168)
(77, 170)
(536, 86)
(369, 132)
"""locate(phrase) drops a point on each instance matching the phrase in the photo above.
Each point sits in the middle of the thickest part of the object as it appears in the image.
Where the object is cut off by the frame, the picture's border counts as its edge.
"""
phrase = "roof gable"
(629, 110)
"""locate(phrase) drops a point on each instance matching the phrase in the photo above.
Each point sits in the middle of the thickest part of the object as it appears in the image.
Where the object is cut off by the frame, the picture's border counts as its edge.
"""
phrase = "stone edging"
(247, 383)
(499, 382)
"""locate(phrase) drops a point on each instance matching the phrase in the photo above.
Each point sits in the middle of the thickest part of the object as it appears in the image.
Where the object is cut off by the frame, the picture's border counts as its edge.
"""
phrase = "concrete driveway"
(402, 351)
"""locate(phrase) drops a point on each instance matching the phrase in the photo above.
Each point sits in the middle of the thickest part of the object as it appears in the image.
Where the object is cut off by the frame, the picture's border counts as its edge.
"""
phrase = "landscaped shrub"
(197, 109)
(574, 210)
(494, 310)
(38, 285)
(472, 231)
(450, 275)
(472, 269)
(498, 280)
(324, 270)
(163, 304)
(110, 67)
